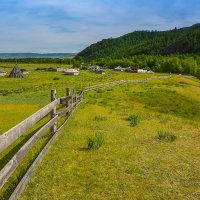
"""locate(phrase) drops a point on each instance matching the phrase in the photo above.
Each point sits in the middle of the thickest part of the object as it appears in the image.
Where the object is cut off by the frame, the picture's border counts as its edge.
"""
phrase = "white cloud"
(69, 26)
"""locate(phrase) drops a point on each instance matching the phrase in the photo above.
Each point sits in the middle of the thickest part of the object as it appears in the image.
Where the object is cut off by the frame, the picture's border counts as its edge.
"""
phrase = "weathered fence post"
(72, 99)
(68, 92)
(75, 99)
(53, 112)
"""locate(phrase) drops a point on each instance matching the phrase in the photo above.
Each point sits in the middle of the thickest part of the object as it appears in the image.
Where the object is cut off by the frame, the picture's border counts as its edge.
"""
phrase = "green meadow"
(133, 141)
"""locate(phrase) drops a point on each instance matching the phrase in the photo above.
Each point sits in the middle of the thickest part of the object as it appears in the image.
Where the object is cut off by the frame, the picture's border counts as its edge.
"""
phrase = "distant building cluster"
(128, 69)
(19, 73)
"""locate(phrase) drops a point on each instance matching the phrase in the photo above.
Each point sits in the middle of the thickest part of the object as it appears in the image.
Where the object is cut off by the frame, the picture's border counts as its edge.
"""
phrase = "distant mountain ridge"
(35, 55)
(176, 41)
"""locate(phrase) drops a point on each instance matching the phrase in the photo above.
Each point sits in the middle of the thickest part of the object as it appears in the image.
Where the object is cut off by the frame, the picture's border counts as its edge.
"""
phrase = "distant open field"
(133, 162)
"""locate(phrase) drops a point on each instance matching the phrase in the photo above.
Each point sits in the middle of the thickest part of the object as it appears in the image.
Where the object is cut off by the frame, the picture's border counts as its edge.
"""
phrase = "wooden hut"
(16, 72)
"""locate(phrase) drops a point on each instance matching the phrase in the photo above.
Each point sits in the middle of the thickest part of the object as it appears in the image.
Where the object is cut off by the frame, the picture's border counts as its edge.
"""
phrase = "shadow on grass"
(10, 186)
(83, 149)
(5, 159)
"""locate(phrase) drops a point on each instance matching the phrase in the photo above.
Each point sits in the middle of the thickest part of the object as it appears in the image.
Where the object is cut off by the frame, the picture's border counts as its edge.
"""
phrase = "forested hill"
(184, 40)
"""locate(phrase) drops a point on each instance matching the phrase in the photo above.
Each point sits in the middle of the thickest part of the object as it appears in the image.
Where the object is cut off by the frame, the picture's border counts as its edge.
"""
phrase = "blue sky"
(71, 25)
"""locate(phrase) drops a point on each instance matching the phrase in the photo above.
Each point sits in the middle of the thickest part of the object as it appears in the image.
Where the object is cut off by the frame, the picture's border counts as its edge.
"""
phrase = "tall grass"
(100, 118)
(131, 163)
(165, 136)
(95, 142)
(134, 120)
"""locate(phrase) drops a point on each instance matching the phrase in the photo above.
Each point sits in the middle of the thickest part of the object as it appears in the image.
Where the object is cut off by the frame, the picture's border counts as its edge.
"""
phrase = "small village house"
(128, 69)
(72, 71)
(141, 71)
(94, 68)
(58, 69)
(150, 72)
(100, 71)
(121, 69)
(3, 72)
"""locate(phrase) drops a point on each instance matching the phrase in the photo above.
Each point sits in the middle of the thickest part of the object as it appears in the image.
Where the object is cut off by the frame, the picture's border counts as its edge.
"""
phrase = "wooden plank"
(82, 93)
(10, 167)
(62, 113)
(68, 98)
(20, 188)
(105, 85)
(53, 112)
(14, 133)
(66, 110)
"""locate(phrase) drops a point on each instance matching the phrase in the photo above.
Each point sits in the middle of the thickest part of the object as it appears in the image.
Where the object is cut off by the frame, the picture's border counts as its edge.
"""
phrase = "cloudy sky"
(71, 25)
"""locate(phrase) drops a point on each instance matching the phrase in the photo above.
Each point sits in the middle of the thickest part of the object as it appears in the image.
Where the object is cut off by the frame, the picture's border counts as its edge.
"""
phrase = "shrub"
(6, 92)
(100, 118)
(110, 89)
(95, 142)
(134, 119)
(100, 91)
(103, 102)
(165, 136)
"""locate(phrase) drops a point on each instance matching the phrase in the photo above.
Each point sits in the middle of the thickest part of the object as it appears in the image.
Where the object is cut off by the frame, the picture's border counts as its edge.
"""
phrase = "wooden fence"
(71, 101)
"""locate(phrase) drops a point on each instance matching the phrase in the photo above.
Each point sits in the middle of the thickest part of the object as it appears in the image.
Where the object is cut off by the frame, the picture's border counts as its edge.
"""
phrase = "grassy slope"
(133, 163)
(19, 98)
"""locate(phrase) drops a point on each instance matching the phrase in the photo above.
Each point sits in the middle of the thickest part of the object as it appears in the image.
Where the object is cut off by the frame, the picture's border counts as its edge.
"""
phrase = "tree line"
(186, 64)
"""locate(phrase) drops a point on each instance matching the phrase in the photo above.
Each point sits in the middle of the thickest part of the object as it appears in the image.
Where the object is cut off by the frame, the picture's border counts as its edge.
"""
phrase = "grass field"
(139, 158)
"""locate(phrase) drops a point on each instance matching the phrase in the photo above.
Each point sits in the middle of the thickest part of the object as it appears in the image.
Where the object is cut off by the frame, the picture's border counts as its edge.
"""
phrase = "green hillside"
(184, 40)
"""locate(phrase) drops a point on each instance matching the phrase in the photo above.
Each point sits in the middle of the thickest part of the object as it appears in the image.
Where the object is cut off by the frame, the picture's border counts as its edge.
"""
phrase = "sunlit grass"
(19, 98)
(132, 163)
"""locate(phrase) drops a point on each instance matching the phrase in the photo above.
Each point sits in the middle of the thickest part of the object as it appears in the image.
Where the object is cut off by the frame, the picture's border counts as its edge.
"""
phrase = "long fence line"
(71, 100)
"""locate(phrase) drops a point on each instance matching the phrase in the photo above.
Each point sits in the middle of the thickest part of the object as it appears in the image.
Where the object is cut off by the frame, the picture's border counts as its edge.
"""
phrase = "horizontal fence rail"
(14, 133)
(71, 101)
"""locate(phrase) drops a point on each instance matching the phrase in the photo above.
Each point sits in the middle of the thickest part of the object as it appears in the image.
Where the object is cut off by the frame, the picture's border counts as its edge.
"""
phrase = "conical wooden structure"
(16, 72)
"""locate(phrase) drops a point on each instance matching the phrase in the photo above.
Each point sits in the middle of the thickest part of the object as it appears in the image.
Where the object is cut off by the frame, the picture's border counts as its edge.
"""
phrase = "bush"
(100, 118)
(95, 142)
(165, 136)
(6, 92)
(134, 119)
(103, 102)
(99, 91)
